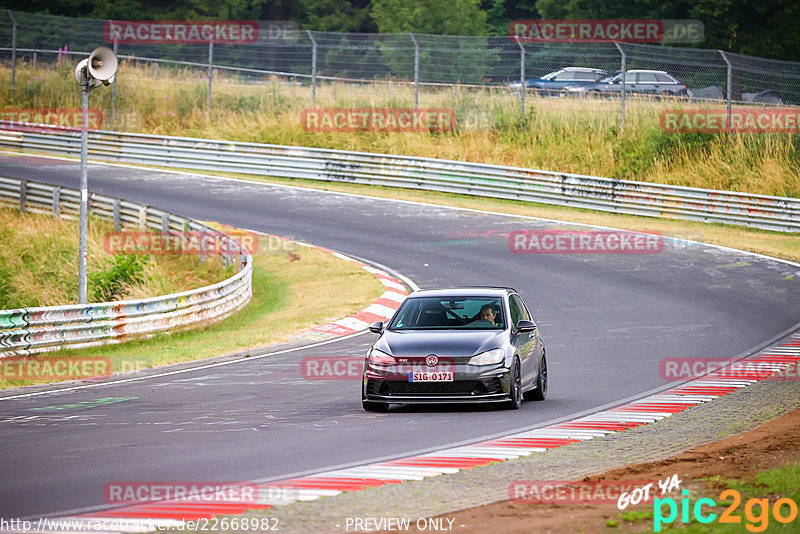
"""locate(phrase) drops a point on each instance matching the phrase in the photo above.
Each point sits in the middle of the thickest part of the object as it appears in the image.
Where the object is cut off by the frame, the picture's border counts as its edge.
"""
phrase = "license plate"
(441, 376)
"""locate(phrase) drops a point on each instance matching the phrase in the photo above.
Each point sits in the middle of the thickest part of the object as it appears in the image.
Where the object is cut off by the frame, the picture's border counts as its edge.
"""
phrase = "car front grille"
(458, 387)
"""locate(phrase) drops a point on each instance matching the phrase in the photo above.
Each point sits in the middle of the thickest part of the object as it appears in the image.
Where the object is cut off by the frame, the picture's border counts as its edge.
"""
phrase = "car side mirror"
(526, 326)
(376, 327)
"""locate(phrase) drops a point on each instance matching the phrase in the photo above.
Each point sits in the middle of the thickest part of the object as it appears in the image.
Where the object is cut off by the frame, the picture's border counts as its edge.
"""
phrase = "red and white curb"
(760, 366)
(380, 310)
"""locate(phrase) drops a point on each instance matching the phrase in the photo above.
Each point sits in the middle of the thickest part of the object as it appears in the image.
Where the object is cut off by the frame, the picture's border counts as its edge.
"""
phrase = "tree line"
(764, 28)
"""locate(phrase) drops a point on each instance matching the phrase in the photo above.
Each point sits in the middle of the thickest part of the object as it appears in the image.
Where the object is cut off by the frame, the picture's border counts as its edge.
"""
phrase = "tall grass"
(39, 264)
(562, 134)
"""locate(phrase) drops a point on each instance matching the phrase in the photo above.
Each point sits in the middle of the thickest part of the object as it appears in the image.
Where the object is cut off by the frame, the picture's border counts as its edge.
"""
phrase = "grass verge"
(563, 134)
(39, 265)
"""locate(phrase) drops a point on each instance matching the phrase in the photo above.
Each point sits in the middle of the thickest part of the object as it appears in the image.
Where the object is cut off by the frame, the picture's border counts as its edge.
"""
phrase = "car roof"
(648, 70)
(582, 69)
(464, 291)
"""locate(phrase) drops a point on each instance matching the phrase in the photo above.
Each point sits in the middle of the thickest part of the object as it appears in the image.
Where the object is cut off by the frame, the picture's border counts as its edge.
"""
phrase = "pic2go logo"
(756, 511)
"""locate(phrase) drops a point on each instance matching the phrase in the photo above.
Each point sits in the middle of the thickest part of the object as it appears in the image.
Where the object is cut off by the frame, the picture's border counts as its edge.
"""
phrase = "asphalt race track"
(608, 320)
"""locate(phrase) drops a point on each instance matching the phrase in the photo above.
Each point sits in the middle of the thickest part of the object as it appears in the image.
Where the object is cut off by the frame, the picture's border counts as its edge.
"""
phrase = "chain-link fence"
(495, 63)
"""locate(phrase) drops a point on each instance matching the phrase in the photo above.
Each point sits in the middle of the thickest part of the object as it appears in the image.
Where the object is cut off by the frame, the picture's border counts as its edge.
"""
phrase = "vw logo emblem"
(431, 360)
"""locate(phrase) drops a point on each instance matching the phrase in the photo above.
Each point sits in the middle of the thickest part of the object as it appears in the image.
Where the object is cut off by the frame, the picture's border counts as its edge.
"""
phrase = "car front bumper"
(470, 384)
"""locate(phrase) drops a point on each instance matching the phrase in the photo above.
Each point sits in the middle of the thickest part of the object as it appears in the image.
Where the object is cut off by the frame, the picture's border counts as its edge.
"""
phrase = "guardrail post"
(142, 218)
(313, 69)
(35, 58)
(521, 78)
(730, 89)
(155, 70)
(210, 75)
(114, 89)
(416, 72)
(202, 254)
(23, 195)
(164, 223)
(115, 214)
(623, 71)
(13, 50)
(56, 202)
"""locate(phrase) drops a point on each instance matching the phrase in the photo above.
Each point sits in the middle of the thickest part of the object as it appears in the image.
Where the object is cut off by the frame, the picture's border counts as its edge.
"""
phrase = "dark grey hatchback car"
(456, 345)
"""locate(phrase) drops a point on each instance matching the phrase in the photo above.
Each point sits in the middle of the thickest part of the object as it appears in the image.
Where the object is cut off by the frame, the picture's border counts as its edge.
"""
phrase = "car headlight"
(380, 358)
(489, 357)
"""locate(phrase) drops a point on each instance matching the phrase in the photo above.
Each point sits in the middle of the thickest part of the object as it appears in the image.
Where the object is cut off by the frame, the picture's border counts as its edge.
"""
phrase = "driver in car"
(488, 314)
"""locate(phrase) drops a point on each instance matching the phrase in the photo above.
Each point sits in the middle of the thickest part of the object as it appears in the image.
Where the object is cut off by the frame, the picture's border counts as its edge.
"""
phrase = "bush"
(124, 271)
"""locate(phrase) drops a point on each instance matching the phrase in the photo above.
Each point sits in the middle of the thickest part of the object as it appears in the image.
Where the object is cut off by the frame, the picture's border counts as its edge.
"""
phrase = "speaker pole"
(84, 190)
(100, 68)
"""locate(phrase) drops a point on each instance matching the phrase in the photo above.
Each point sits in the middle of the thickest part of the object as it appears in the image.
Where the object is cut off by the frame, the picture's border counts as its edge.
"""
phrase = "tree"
(337, 15)
(452, 17)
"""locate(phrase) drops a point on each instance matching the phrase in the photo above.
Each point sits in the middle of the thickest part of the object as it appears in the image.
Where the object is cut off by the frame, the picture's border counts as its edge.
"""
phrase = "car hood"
(454, 343)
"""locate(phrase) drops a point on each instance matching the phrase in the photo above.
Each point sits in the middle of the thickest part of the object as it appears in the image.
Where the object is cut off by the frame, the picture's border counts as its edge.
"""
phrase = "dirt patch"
(773, 444)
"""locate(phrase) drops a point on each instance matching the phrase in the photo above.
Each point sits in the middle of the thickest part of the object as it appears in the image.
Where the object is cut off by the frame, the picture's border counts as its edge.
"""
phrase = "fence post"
(622, 93)
(730, 89)
(142, 218)
(210, 75)
(313, 69)
(114, 89)
(201, 256)
(13, 50)
(521, 78)
(416, 72)
(23, 195)
(56, 202)
(35, 58)
(115, 214)
(155, 70)
(164, 223)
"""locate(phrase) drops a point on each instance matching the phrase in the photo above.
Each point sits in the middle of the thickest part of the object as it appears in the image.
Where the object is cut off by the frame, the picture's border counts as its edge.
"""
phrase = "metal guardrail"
(478, 179)
(31, 330)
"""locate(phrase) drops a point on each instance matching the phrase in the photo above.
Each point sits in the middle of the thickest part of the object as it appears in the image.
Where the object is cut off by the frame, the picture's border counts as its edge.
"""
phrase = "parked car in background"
(646, 82)
(567, 77)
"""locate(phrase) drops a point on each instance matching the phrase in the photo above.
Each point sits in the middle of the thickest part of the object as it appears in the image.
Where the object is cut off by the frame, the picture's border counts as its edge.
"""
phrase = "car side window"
(564, 76)
(516, 302)
(630, 77)
(663, 78)
(647, 77)
(514, 309)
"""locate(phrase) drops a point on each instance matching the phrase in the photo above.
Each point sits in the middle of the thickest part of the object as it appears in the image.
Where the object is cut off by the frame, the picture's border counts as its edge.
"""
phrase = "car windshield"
(457, 313)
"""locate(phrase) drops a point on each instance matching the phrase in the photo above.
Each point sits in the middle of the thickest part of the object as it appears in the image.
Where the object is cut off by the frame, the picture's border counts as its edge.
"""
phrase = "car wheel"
(540, 392)
(515, 390)
(372, 406)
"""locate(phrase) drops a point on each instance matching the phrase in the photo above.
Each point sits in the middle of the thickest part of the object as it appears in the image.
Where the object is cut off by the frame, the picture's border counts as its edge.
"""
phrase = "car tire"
(372, 406)
(540, 393)
(515, 389)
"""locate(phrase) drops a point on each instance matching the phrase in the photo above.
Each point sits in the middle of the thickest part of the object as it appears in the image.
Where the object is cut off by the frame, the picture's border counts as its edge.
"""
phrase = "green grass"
(563, 134)
(39, 265)
(292, 290)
